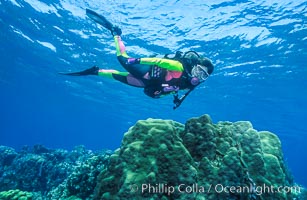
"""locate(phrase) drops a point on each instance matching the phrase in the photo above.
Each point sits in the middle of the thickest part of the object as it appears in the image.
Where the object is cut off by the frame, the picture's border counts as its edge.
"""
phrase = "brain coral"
(163, 159)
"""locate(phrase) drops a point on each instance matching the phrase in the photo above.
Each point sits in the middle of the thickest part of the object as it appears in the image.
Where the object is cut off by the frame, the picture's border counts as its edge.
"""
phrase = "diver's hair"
(192, 58)
(207, 63)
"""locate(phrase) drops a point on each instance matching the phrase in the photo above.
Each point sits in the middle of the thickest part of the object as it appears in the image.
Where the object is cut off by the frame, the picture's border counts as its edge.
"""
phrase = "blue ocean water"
(258, 48)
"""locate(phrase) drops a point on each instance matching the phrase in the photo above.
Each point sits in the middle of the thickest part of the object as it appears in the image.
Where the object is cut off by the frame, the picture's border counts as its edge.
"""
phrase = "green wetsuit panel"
(168, 64)
(109, 73)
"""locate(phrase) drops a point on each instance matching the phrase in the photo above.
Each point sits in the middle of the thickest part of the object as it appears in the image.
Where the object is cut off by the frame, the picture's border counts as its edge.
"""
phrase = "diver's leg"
(132, 65)
(129, 80)
(123, 77)
(110, 72)
(120, 47)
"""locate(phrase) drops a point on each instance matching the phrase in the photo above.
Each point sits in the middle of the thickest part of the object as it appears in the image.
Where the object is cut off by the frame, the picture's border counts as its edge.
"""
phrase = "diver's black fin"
(99, 19)
(103, 22)
(91, 71)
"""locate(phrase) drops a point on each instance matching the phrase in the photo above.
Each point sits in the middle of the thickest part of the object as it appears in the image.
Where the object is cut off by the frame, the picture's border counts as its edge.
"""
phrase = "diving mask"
(200, 72)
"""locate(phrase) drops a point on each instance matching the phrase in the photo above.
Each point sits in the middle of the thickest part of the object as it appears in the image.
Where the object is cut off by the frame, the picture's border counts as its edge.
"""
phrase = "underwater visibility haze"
(258, 49)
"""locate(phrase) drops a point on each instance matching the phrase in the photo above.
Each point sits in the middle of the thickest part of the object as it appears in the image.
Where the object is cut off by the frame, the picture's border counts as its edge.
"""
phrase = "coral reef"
(15, 195)
(158, 159)
(162, 159)
(58, 173)
(82, 181)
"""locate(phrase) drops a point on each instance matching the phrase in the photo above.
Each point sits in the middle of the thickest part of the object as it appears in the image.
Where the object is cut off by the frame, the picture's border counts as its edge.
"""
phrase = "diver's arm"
(168, 64)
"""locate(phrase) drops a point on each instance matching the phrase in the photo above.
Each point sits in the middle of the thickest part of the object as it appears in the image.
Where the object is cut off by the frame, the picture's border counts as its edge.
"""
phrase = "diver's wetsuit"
(158, 76)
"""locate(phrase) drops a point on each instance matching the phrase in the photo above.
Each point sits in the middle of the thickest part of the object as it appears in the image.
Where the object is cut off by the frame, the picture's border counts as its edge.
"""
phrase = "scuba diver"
(158, 76)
